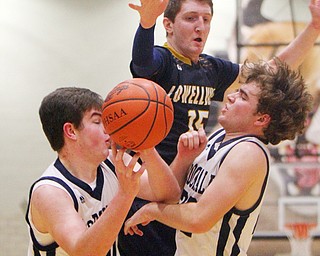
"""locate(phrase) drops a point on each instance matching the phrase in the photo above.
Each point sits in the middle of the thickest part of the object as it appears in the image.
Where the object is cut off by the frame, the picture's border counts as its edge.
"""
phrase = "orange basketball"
(137, 114)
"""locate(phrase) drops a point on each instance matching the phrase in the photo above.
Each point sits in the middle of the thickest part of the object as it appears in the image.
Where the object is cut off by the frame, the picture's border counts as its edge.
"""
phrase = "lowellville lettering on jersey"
(192, 94)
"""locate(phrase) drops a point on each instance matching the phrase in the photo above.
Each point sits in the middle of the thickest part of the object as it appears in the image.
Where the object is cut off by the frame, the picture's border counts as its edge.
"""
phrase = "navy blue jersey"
(191, 88)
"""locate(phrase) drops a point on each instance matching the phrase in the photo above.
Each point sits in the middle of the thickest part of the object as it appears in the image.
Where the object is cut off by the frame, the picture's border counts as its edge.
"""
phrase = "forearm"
(180, 166)
(161, 180)
(99, 238)
(144, 60)
(295, 53)
(184, 217)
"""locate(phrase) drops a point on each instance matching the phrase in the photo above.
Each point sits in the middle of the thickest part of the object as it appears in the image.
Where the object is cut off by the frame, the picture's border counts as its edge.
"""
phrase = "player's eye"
(97, 120)
(191, 18)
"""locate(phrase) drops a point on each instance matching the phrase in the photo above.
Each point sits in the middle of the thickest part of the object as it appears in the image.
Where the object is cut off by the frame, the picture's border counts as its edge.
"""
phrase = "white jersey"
(233, 233)
(89, 203)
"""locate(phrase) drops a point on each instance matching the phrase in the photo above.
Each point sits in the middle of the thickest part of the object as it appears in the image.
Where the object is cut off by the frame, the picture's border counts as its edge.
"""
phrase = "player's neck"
(232, 135)
(180, 55)
(79, 168)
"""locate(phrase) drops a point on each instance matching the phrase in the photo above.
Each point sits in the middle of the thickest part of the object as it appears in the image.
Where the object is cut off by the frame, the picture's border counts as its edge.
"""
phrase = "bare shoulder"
(247, 156)
(249, 149)
(46, 202)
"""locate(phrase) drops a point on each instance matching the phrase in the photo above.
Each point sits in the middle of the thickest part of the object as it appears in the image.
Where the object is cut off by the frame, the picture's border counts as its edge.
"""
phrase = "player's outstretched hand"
(314, 7)
(149, 11)
(128, 177)
(140, 217)
(192, 143)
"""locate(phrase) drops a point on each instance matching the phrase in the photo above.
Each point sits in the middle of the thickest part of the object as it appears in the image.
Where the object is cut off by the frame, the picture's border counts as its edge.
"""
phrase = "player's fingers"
(133, 230)
(113, 148)
(190, 139)
(137, 231)
(134, 160)
(145, 223)
(195, 138)
(128, 230)
(141, 170)
(119, 154)
(202, 135)
(184, 139)
(134, 6)
(132, 163)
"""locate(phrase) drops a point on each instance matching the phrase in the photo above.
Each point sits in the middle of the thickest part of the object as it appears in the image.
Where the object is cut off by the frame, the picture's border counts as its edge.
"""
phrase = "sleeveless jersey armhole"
(36, 245)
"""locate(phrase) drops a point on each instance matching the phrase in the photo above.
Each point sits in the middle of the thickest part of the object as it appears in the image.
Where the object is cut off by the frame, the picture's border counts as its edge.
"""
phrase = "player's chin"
(198, 46)
(221, 118)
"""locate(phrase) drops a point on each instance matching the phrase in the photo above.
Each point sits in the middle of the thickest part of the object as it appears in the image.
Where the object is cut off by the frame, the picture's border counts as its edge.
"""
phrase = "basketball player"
(192, 79)
(80, 202)
(224, 187)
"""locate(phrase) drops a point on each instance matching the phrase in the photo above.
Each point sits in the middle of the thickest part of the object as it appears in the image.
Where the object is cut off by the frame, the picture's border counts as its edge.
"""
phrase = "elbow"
(173, 195)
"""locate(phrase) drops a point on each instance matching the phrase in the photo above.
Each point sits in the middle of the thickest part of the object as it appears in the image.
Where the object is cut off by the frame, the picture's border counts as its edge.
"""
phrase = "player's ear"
(263, 120)
(167, 24)
(69, 131)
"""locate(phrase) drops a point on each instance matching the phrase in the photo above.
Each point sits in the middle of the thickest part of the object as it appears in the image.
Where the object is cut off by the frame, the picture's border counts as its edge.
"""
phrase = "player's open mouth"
(198, 39)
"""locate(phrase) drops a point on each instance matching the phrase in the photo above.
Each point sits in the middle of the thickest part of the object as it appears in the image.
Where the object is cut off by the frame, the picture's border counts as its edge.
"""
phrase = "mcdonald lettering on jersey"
(192, 94)
(95, 217)
(115, 116)
(196, 177)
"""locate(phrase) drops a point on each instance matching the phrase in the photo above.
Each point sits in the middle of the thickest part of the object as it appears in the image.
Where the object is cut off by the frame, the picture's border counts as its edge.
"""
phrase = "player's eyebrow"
(96, 113)
(243, 93)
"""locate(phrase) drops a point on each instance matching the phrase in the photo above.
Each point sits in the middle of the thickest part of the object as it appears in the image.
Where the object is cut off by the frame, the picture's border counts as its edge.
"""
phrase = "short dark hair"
(174, 6)
(67, 104)
(283, 96)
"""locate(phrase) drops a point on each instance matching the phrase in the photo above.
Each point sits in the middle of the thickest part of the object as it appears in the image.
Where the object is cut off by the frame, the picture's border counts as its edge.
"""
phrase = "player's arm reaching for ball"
(157, 183)
(190, 145)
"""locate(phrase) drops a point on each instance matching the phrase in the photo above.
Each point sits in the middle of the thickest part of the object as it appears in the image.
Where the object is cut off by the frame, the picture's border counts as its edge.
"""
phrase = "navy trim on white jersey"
(50, 249)
(84, 197)
(110, 165)
(96, 193)
(232, 234)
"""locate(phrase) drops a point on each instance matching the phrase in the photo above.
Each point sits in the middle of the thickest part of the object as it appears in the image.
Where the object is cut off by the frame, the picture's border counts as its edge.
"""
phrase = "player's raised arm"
(145, 60)
(190, 145)
(295, 53)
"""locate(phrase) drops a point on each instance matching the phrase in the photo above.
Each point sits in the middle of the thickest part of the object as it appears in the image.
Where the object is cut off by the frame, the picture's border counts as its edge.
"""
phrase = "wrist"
(151, 210)
(127, 194)
(147, 24)
(315, 26)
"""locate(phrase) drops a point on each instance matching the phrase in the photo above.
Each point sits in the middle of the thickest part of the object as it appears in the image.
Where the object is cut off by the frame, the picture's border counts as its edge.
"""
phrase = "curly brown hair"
(174, 6)
(284, 97)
